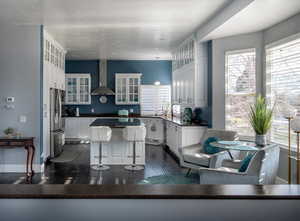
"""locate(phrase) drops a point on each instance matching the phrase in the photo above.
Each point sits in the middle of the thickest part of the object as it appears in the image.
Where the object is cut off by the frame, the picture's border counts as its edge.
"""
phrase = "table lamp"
(295, 125)
(289, 112)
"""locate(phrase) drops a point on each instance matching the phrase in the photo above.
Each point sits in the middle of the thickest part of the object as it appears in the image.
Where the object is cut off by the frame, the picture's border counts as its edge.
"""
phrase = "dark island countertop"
(175, 120)
(194, 191)
(116, 122)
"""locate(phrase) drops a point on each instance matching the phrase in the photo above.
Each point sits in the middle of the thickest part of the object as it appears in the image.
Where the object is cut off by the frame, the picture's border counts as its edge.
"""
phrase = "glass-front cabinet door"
(84, 87)
(71, 90)
(128, 88)
(134, 89)
(78, 89)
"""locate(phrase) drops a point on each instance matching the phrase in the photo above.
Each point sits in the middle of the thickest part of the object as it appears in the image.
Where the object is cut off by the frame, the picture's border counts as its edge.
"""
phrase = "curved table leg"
(27, 149)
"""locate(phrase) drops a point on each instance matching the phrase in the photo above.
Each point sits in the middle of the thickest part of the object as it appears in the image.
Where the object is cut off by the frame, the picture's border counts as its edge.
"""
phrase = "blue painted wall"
(152, 71)
(207, 111)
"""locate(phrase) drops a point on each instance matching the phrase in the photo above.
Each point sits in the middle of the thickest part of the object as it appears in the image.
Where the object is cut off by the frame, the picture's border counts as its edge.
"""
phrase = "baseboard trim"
(18, 168)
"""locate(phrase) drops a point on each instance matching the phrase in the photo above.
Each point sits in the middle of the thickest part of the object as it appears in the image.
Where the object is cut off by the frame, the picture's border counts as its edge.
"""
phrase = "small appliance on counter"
(123, 113)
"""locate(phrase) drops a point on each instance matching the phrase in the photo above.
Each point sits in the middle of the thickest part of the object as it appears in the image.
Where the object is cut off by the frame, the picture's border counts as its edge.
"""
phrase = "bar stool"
(134, 134)
(100, 134)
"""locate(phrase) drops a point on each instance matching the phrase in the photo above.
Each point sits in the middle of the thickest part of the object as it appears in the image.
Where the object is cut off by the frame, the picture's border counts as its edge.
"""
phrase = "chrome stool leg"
(134, 167)
(100, 166)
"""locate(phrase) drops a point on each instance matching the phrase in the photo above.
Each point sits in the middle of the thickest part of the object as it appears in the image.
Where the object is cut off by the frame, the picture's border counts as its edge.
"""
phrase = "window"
(240, 90)
(155, 100)
(283, 84)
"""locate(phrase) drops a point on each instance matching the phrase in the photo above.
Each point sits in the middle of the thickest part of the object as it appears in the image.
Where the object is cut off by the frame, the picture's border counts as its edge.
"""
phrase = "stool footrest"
(134, 167)
(100, 167)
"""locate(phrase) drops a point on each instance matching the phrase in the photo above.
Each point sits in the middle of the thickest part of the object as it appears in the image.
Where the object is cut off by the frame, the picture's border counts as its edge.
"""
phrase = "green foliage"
(9, 130)
(260, 116)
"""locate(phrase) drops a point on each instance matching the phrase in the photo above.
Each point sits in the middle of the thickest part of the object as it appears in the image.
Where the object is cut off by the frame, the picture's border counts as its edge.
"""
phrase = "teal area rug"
(171, 179)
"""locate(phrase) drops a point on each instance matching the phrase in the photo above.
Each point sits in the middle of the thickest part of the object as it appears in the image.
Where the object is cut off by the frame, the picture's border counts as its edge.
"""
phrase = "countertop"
(192, 191)
(175, 120)
(116, 122)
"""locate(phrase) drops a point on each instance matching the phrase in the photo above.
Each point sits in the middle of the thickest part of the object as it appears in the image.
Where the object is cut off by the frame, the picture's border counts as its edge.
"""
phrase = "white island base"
(117, 151)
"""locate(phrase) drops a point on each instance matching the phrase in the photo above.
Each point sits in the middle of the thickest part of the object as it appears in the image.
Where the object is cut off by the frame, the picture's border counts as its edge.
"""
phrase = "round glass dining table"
(236, 146)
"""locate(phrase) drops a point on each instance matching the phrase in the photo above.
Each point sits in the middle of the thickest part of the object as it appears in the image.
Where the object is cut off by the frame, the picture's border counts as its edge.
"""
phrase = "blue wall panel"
(152, 71)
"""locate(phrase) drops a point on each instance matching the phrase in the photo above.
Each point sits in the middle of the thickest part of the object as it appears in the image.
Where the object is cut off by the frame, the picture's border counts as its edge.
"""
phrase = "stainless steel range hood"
(103, 89)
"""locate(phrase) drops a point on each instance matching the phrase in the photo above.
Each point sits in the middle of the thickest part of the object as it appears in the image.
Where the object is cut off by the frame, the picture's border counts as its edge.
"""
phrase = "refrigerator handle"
(59, 104)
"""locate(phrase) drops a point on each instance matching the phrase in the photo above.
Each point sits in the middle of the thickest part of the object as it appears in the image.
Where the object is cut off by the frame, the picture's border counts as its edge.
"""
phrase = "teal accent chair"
(194, 157)
(262, 169)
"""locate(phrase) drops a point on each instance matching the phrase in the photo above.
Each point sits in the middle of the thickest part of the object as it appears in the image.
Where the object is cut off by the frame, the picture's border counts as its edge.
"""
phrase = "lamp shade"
(295, 124)
(286, 110)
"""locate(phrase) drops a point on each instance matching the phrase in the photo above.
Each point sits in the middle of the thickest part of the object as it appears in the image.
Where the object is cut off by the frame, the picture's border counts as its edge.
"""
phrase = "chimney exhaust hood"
(103, 89)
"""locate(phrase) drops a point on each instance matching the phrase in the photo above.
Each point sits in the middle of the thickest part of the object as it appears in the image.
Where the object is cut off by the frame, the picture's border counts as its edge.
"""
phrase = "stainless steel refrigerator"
(57, 123)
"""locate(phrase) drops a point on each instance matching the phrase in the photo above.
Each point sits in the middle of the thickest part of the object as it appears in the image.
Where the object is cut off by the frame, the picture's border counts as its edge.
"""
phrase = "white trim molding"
(282, 41)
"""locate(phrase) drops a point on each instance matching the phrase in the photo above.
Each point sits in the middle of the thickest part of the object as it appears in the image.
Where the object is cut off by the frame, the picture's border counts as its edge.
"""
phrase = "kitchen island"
(117, 151)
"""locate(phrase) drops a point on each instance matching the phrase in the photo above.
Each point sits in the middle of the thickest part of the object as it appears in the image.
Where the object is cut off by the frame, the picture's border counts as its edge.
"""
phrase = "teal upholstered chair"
(194, 157)
(262, 169)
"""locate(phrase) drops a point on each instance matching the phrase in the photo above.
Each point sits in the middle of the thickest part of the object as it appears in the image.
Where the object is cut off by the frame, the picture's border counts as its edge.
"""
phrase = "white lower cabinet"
(180, 136)
(155, 130)
(78, 127)
(172, 137)
(118, 151)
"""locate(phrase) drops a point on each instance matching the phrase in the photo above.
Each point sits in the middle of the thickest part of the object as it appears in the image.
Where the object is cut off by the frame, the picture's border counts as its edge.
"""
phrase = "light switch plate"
(23, 119)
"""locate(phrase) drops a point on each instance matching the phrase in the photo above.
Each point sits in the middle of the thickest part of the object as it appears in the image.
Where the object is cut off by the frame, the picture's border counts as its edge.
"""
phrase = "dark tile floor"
(158, 162)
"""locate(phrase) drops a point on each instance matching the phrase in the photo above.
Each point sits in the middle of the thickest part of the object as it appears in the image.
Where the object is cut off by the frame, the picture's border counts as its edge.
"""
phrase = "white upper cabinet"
(128, 88)
(189, 74)
(54, 63)
(78, 89)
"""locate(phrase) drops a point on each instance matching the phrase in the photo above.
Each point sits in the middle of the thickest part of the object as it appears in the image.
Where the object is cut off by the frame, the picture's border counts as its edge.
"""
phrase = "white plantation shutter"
(240, 90)
(283, 84)
(154, 99)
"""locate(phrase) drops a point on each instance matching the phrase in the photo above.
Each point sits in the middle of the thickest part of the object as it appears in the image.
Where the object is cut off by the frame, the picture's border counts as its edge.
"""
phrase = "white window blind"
(283, 84)
(155, 99)
(240, 90)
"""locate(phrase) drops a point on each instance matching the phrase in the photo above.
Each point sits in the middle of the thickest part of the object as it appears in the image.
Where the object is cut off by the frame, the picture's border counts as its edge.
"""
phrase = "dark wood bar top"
(78, 191)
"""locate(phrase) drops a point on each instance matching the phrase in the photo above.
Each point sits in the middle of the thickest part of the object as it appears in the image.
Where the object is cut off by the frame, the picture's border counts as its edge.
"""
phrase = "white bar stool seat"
(134, 134)
(100, 134)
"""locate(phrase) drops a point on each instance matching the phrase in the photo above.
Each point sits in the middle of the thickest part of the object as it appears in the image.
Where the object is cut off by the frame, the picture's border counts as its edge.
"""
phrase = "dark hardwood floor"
(158, 162)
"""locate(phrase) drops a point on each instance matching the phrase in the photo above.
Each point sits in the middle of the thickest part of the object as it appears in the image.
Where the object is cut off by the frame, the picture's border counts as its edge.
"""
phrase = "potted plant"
(260, 117)
(9, 132)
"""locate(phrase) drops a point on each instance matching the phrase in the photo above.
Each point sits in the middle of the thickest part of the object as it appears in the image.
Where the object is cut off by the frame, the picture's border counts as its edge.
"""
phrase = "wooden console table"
(27, 143)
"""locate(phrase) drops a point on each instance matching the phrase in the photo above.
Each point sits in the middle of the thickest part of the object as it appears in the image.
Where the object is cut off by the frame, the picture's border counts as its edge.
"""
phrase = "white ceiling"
(114, 29)
(259, 15)
(137, 29)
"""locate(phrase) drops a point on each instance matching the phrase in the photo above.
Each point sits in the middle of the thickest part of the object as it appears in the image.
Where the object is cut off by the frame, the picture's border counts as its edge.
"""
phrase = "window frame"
(274, 44)
(154, 86)
(233, 52)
